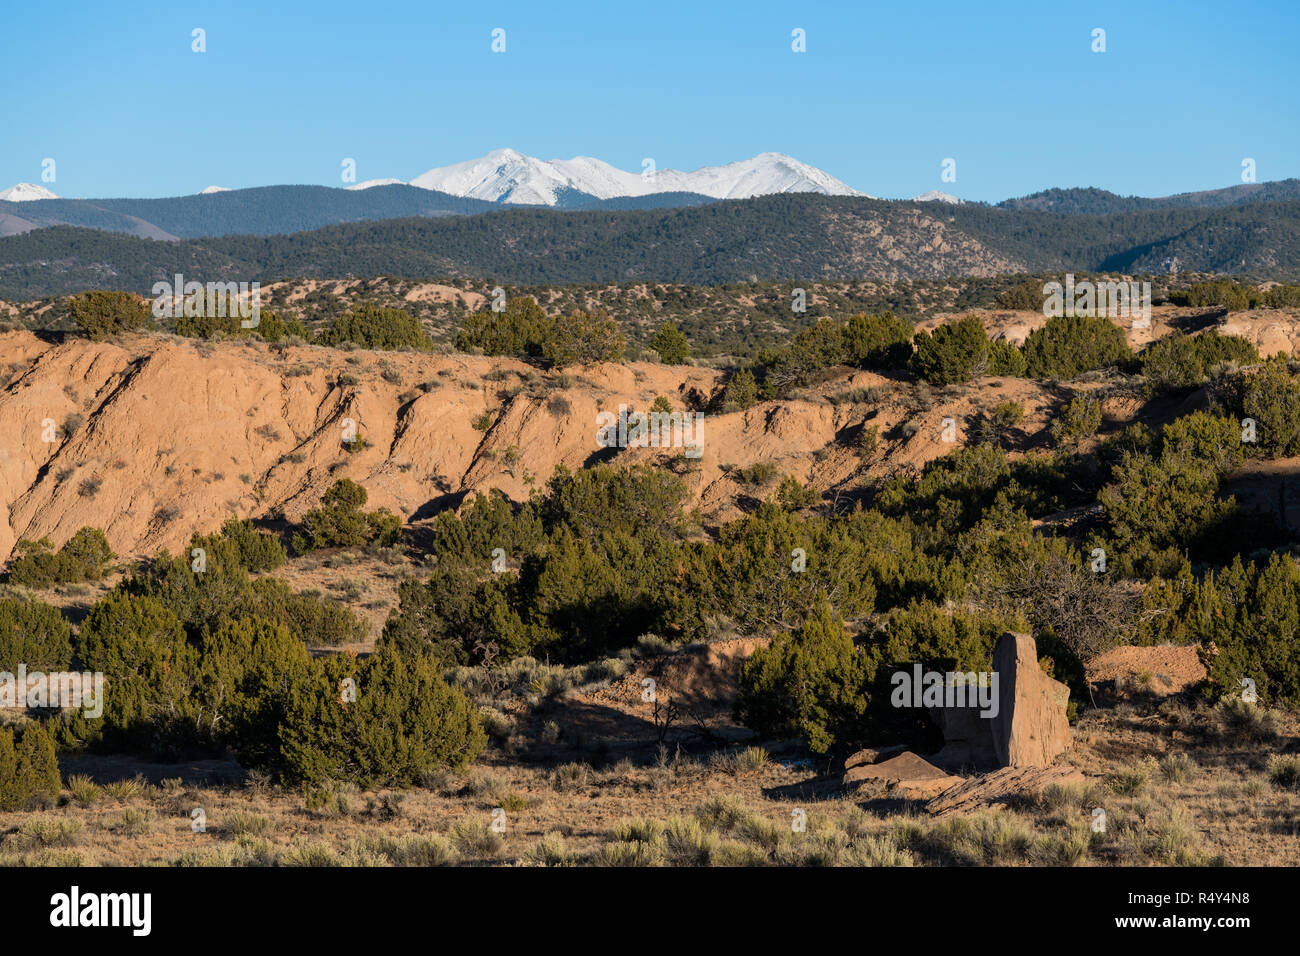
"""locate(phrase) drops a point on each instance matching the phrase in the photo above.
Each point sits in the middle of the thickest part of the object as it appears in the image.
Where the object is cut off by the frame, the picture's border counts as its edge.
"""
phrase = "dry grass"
(1191, 799)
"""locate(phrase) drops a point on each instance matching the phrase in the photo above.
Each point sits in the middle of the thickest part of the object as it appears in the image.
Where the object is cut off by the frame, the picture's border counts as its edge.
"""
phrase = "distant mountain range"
(780, 237)
(508, 179)
(507, 176)
(1097, 202)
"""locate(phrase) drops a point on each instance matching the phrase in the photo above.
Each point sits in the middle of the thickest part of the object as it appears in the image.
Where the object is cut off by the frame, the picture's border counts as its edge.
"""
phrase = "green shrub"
(201, 600)
(1025, 297)
(314, 620)
(936, 638)
(1252, 615)
(340, 522)
(1203, 441)
(34, 634)
(521, 329)
(809, 683)
(140, 647)
(1271, 397)
(1180, 361)
(374, 327)
(82, 558)
(995, 427)
(272, 328)
(867, 341)
(254, 550)
(1006, 360)
(29, 769)
(247, 672)
(749, 576)
(955, 352)
(757, 475)
(102, 313)
(1221, 292)
(229, 324)
(793, 496)
(1153, 504)
(1283, 296)
(1079, 420)
(209, 325)
(1069, 345)
(405, 723)
(960, 489)
(868, 440)
(598, 551)
(877, 341)
(581, 339)
(1284, 771)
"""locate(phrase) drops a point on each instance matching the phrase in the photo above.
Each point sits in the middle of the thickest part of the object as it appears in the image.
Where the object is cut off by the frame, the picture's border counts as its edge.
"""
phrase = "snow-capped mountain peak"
(503, 175)
(935, 195)
(25, 192)
(213, 189)
(369, 183)
(508, 176)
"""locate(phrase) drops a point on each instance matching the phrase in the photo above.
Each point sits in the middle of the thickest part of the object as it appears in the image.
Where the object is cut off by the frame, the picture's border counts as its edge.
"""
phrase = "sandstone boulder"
(907, 776)
(870, 755)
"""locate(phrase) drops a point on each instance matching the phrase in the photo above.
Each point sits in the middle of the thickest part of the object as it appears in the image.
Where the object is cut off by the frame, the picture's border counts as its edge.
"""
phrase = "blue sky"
(885, 92)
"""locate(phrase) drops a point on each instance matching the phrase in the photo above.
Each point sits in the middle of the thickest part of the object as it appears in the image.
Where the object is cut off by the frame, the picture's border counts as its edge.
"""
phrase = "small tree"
(671, 344)
(83, 556)
(249, 670)
(877, 341)
(809, 683)
(740, 392)
(254, 550)
(1179, 361)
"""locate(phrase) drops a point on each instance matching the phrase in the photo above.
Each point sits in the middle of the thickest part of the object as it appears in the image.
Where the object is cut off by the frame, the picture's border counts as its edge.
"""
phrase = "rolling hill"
(782, 237)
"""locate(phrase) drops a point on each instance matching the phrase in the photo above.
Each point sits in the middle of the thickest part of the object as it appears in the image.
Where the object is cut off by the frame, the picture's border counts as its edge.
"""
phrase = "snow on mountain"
(376, 182)
(765, 174)
(507, 176)
(25, 192)
(935, 195)
(213, 189)
(503, 175)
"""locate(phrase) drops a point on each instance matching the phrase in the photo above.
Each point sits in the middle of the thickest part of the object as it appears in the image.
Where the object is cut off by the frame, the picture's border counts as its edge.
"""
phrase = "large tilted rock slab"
(993, 791)
(1031, 728)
